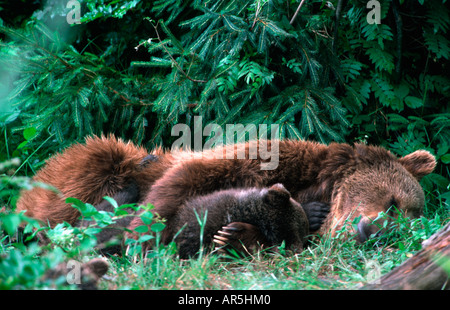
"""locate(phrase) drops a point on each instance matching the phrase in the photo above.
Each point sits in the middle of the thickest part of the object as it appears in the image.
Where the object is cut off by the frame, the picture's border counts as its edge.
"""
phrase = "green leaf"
(145, 238)
(413, 102)
(111, 201)
(158, 227)
(438, 44)
(29, 133)
(146, 217)
(10, 222)
(383, 61)
(445, 158)
(141, 229)
(103, 218)
(92, 231)
(437, 179)
(86, 209)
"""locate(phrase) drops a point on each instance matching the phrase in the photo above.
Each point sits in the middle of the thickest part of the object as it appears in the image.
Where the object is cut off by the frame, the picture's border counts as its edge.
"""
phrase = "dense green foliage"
(136, 68)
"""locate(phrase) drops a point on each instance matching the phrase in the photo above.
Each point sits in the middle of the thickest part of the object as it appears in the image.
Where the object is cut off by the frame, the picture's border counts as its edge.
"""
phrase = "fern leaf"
(382, 60)
(439, 17)
(438, 44)
(351, 69)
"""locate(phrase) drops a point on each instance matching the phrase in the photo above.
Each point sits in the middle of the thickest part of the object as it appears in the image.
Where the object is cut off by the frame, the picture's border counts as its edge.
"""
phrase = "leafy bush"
(24, 262)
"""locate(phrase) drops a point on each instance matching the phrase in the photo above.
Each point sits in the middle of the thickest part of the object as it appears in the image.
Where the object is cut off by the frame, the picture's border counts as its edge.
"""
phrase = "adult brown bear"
(354, 180)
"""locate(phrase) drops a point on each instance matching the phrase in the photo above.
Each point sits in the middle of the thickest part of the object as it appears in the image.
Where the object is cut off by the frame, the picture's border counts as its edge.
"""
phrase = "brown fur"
(100, 167)
(278, 217)
(355, 180)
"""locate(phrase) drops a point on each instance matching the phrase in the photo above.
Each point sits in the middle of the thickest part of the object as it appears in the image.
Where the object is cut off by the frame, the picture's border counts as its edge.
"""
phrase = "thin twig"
(336, 25)
(173, 59)
(296, 12)
(258, 9)
(399, 26)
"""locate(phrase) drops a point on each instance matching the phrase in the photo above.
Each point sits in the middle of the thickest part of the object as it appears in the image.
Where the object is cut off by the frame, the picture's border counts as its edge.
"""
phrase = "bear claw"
(221, 232)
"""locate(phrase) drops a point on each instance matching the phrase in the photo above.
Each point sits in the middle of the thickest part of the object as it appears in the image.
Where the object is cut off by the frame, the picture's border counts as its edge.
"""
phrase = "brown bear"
(354, 180)
(277, 216)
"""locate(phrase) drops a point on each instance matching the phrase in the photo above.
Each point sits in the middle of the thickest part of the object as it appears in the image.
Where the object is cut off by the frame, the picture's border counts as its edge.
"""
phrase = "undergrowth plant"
(317, 75)
(24, 259)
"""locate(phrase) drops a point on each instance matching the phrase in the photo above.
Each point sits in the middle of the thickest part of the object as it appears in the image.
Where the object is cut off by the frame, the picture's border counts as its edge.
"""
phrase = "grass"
(330, 263)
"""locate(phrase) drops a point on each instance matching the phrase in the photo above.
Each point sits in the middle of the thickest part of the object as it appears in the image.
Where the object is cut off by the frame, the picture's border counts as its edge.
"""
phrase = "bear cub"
(277, 216)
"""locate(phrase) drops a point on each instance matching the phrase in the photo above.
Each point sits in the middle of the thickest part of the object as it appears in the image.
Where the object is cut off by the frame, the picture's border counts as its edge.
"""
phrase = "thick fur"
(354, 180)
(101, 167)
(278, 217)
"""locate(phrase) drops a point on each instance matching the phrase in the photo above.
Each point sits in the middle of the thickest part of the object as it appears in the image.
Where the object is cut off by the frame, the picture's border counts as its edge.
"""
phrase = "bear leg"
(247, 238)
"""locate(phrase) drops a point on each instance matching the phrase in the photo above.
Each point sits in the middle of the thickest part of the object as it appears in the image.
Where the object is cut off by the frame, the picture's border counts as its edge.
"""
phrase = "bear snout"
(367, 228)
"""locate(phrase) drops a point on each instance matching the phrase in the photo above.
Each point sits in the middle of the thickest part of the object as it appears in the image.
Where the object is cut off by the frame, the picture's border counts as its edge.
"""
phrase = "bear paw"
(316, 213)
(242, 237)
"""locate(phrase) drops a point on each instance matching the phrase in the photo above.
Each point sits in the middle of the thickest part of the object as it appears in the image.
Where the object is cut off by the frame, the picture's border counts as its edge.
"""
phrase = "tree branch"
(339, 6)
(296, 12)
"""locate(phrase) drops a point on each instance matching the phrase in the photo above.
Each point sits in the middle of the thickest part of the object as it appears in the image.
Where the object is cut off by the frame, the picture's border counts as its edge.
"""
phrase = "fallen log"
(428, 269)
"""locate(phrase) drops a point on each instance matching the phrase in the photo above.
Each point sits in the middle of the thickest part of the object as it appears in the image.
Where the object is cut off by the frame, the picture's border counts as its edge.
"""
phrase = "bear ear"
(277, 194)
(419, 163)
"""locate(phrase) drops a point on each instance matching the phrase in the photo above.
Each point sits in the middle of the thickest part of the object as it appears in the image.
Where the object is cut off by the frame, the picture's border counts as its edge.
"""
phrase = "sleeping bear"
(278, 218)
(355, 180)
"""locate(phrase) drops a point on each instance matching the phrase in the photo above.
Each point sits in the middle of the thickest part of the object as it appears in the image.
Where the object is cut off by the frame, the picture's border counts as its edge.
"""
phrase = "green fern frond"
(438, 44)
(382, 60)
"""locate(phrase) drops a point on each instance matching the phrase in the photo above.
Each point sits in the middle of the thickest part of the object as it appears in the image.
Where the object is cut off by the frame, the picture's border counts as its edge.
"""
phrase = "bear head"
(372, 180)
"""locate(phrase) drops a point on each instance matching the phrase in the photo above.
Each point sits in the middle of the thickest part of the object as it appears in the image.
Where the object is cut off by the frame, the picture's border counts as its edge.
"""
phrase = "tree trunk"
(423, 271)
